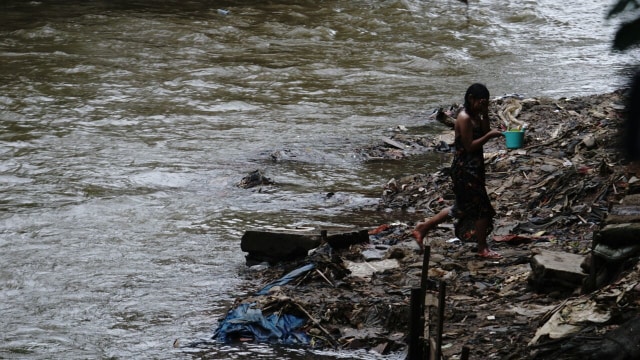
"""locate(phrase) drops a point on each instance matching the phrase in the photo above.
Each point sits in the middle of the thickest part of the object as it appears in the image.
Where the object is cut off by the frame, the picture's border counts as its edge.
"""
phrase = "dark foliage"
(628, 34)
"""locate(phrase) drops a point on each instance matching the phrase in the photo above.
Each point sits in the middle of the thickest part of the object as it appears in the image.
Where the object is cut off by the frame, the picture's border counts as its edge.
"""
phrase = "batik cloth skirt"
(471, 199)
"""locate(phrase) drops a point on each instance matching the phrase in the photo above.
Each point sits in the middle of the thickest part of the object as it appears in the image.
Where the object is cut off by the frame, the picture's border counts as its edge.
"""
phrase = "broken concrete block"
(618, 241)
(633, 199)
(618, 219)
(619, 235)
(273, 246)
(367, 268)
(628, 211)
(551, 268)
(346, 239)
(616, 254)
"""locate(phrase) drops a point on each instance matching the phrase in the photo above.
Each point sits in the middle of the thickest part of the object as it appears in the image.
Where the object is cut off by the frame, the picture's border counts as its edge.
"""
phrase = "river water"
(126, 125)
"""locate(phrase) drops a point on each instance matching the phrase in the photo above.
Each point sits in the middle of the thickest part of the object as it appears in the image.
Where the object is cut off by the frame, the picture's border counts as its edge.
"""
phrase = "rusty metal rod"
(465, 353)
(415, 324)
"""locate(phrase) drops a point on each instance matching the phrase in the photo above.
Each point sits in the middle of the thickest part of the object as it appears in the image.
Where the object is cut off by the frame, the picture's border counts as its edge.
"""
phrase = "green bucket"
(514, 139)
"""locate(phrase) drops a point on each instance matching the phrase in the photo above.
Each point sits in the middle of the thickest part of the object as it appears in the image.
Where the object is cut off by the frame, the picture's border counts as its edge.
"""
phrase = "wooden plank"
(440, 328)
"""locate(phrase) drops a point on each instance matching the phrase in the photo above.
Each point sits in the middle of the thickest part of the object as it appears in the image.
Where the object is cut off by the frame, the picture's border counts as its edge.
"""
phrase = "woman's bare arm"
(464, 129)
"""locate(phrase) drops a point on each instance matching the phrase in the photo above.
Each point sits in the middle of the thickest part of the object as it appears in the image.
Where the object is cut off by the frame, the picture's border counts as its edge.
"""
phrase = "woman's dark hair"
(478, 91)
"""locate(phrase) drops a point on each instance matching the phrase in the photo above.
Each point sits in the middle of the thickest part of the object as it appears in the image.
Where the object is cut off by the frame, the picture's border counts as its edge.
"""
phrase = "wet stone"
(548, 168)
(551, 268)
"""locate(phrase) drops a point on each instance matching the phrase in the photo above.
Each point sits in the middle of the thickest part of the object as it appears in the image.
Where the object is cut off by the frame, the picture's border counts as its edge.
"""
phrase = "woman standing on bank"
(472, 208)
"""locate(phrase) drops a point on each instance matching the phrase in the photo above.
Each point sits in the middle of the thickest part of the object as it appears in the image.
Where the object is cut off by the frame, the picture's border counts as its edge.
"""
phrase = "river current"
(125, 127)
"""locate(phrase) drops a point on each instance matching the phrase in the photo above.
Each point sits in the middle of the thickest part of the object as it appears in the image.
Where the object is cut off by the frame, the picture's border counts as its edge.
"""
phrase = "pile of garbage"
(568, 285)
(567, 172)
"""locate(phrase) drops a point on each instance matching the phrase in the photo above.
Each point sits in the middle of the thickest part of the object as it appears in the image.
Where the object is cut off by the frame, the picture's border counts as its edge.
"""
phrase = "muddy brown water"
(124, 127)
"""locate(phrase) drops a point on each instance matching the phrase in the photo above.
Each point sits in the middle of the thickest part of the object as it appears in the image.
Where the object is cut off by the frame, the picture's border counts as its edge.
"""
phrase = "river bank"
(552, 194)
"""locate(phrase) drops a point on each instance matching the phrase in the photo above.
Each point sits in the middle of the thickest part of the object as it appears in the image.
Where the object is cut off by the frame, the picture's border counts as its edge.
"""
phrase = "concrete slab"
(556, 268)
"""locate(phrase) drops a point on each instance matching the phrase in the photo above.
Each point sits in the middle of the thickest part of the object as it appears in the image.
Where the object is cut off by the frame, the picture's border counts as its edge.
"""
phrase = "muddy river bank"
(552, 195)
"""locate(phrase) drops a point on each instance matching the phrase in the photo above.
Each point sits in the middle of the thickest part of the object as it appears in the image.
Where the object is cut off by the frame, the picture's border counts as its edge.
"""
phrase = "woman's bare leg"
(422, 228)
(481, 234)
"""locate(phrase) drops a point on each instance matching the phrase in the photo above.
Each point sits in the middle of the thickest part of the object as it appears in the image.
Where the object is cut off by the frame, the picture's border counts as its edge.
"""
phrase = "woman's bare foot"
(423, 227)
(489, 254)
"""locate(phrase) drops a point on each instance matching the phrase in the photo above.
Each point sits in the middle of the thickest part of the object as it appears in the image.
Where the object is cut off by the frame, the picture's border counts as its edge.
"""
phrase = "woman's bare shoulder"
(463, 115)
(463, 119)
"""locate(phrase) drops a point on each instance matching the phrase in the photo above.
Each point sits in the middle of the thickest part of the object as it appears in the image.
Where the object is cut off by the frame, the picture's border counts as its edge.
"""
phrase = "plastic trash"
(245, 321)
(287, 278)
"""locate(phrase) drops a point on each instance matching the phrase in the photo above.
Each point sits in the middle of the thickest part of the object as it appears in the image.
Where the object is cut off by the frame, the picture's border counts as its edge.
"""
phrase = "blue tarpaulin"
(287, 278)
(246, 321)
